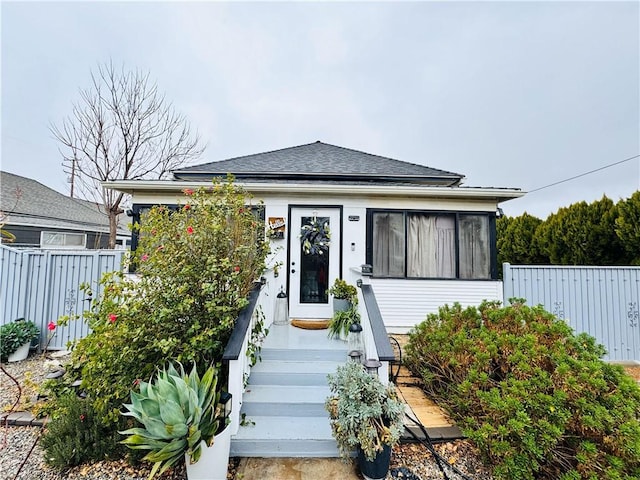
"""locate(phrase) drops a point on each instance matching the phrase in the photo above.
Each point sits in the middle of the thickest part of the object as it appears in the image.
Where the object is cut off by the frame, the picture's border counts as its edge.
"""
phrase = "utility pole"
(71, 179)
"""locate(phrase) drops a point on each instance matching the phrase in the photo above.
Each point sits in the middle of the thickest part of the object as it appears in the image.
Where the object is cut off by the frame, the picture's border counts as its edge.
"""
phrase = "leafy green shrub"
(534, 397)
(196, 266)
(15, 334)
(76, 435)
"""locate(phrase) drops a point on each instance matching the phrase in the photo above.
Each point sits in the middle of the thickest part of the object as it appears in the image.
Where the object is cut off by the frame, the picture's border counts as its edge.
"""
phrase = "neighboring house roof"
(41, 206)
(321, 162)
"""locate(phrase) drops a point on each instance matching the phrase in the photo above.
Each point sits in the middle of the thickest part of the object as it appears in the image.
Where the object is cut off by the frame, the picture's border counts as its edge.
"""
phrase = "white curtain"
(474, 246)
(422, 246)
(388, 244)
(446, 250)
(431, 246)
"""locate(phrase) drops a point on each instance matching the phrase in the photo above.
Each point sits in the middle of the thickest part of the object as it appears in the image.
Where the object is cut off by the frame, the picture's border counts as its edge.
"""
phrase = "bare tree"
(122, 128)
(5, 235)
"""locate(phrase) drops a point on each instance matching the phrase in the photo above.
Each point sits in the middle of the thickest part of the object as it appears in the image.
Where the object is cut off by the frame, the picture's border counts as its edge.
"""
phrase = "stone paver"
(295, 469)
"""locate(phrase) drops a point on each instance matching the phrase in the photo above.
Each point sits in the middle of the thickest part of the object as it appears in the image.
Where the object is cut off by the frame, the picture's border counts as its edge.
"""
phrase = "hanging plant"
(315, 237)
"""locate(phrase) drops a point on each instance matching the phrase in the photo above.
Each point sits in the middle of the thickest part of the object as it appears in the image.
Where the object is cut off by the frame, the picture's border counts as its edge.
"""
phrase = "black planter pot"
(378, 468)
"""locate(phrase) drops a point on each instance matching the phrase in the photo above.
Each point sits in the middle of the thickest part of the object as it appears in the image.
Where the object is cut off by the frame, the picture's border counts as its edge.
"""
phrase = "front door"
(313, 267)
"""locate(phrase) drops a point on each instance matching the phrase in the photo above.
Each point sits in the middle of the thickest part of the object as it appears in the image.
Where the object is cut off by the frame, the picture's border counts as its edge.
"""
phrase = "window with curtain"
(430, 245)
(388, 244)
(474, 246)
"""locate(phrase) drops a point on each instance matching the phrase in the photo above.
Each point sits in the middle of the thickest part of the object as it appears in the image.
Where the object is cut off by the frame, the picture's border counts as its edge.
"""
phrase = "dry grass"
(634, 371)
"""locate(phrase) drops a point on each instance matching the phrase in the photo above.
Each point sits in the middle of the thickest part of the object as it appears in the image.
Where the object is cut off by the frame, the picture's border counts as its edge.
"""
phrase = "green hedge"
(536, 399)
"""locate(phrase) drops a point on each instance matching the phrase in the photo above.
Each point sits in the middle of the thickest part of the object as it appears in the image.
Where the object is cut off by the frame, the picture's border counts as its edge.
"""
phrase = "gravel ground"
(414, 462)
(408, 462)
(17, 441)
(29, 373)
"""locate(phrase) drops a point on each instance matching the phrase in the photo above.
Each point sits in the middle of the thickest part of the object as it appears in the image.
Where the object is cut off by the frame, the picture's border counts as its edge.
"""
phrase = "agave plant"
(178, 412)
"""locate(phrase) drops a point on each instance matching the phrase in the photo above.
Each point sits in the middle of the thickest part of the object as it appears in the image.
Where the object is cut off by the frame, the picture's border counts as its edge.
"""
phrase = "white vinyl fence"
(43, 285)
(601, 301)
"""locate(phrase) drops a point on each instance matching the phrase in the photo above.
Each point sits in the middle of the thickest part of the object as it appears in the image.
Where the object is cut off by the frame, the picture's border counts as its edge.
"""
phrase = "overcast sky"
(510, 94)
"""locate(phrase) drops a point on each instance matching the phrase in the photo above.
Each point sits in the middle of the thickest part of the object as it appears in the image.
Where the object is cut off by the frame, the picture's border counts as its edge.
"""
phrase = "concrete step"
(285, 400)
(284, 372)
(285, 436)
(285, 397)
(311, 354)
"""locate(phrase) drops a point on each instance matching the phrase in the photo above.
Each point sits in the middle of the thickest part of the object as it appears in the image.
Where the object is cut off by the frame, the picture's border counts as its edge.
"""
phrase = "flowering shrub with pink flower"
(195, 268)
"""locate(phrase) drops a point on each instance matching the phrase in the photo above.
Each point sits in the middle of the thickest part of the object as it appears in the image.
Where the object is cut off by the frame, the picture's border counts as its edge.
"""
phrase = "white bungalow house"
(428, 239)
(411, 236)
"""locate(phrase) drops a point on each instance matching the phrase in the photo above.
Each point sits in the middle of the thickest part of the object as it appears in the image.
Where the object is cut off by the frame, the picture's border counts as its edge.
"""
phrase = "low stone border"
(21, 419)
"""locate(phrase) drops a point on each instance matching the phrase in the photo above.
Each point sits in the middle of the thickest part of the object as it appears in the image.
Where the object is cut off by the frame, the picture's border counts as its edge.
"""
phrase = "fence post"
(507, 282)
(24, 282)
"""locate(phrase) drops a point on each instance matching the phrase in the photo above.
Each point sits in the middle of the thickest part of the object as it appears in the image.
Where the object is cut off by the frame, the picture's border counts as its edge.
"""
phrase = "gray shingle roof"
(323, 162)
(41, 205)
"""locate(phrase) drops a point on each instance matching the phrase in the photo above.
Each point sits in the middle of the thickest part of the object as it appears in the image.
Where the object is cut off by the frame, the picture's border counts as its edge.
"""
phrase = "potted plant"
(344, 295)
(365, 415)
(180, 412)
(341, 321)
(15, 339)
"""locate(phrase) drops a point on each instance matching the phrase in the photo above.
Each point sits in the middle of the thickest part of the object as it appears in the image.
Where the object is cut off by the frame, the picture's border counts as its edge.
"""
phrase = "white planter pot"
(20, 354)
(214, 460)
(341, 305)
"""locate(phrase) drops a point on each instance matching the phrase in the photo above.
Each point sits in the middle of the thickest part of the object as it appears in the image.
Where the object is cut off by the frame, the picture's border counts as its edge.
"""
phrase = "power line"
(583, 174)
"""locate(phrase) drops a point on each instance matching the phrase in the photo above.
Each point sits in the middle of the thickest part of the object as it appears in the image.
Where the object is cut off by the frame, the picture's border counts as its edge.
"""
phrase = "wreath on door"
(315, 237)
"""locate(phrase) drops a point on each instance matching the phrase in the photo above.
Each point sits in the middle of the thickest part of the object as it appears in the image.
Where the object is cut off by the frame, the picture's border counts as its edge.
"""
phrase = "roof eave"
(163, 186)
(450, 180)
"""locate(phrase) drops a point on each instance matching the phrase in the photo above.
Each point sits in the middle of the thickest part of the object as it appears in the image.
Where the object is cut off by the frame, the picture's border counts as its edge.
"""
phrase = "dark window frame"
(493, 250)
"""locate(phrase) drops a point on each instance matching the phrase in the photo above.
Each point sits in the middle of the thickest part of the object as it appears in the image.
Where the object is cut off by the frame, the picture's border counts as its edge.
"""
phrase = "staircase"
(284, 399)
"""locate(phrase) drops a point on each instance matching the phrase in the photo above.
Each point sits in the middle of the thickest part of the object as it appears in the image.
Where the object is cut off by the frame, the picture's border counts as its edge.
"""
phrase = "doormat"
(310, 324)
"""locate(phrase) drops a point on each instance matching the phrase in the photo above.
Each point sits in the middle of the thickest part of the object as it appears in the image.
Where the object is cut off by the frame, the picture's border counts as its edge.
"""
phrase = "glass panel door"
(313, 266)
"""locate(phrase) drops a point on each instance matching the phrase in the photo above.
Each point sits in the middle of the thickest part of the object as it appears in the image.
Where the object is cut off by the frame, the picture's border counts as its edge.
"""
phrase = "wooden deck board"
(434, 418)
(427, 412)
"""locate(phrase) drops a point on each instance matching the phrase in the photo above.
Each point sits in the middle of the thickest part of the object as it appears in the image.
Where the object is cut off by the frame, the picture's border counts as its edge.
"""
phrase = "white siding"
(405, 303)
